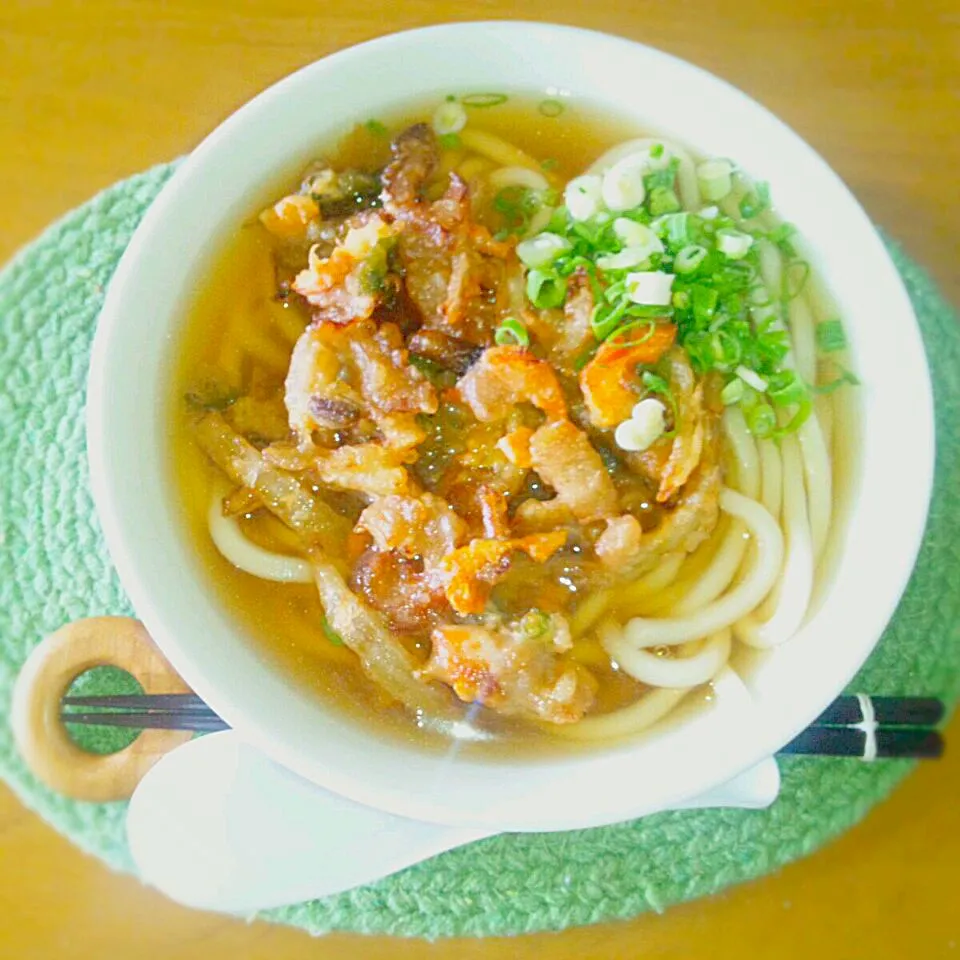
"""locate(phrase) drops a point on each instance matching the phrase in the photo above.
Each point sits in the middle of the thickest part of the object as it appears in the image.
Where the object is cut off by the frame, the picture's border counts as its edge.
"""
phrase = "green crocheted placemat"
(54, 568)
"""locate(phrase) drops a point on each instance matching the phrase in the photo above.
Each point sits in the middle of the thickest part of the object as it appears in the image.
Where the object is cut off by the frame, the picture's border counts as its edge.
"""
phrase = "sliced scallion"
(689, 258)
(551, 108)
(830, 336)
(545, 290)
(715, 178)
(479, 100)
(662, 200)
(511, 332)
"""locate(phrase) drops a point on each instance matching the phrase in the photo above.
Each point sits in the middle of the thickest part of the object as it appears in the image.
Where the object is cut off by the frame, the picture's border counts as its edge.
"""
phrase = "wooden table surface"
(94, 90)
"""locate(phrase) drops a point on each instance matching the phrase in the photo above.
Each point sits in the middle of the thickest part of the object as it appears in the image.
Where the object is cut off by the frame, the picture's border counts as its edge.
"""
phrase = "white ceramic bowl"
(215, 189)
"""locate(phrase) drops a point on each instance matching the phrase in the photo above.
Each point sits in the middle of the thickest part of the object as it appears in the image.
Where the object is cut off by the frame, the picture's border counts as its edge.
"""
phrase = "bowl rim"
(108, 476)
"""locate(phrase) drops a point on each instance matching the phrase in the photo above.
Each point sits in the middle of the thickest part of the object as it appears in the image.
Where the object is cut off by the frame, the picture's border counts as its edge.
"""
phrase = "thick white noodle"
(654, 582)
(718, 575)
(744, 449)
(497, 149)
(649, 709)
(824, 407)
(734, 605)
(249, 557)
(517, 177)
(804, 338)
(771, 470)
(818, 480)
(686, 175)
(689, 670)
(816, 459)
(792, 597)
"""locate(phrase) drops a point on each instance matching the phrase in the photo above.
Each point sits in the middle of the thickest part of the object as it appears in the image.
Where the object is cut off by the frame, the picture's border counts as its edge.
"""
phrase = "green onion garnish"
(755, 202)
(715, 178)
(830, 336)
(545, 290)
(733, 392)
(511, 333)
(551, 163)
(656, 151)
(846, 376)
(785, 388)
(329, 632)
(375, 127)
(761, 420)
(450, 141)
(675, 229)
(534, 623)
(689, 258)
(551, 108)
(662, 200)
(484, 99)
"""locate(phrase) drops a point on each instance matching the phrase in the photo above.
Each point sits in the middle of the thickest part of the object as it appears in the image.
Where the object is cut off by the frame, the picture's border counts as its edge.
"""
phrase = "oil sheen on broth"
(236, 348)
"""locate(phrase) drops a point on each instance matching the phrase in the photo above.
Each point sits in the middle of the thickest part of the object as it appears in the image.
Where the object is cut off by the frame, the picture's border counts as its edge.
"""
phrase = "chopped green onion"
(780, 237)
(704, 303)
(449, 118)
(511, 332)
(329, 632)
(791, 289)
(689, 258)
(755, 202)
(654, 382)
(846, 376)
(534, 623)
(542, 250)
(830, 336)
(551, 163)
(675, 229)
(662, 200)
(785, 389)
(733, 244)
(551, 108)
(545, 290)
(761, 420)
(715, 178)
(751, 378)
(484, 99)
(656, 151)
(450, 141)
(375, 127)
(733, 392)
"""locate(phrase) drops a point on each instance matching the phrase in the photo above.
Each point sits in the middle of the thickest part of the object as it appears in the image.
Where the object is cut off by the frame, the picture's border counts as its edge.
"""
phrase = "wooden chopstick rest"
(46, 676)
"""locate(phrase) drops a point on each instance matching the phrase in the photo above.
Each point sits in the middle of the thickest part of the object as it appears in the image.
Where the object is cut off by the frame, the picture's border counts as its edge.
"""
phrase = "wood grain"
(94, 90)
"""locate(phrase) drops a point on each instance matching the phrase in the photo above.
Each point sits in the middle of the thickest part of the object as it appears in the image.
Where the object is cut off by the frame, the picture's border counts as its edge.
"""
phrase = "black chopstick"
(153, 720)
(141, 701)
(850, 742)
(888, 711)
(852, 726)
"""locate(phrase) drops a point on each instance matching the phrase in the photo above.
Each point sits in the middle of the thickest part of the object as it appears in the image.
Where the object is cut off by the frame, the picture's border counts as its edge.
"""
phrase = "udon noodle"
(423, 318)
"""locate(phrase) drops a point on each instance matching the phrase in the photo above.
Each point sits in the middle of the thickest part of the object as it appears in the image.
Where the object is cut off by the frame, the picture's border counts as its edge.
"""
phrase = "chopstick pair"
(874, 728)
(870, 728)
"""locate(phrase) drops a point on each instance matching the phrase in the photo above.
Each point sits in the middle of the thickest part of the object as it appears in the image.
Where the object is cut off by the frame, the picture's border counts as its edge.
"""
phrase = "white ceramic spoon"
(216, 825)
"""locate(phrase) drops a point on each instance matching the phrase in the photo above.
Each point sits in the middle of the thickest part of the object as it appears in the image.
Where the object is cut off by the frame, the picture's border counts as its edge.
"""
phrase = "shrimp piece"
(340, 373)
(506, 376)
(290, 218)
(515, 446)
(513, 672)
(425, 526)
(470, 572)
(348, 284)
(670, 461)
(565, 459)
(606, 380)
(620, 542)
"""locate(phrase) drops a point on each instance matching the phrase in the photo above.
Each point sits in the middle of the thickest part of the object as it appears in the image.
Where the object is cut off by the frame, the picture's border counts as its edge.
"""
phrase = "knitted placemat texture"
(54, 568)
